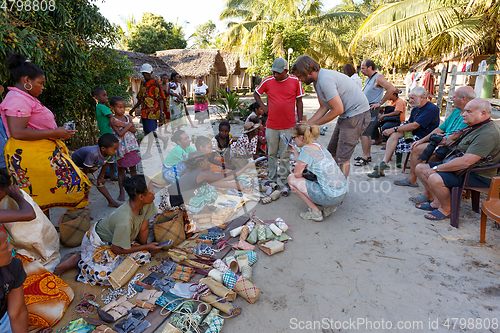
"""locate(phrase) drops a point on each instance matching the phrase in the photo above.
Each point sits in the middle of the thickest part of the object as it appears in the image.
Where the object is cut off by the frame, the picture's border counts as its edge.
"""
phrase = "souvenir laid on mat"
(216, 275)
(229, 279)
(272, 247)
(232, 264)
(247, 290)
(252, 237)
(169, 300)
(242, 243)
(123, 272)
(219, 289)
(261, 233)
(213, 322)
(222, 304)
(170, 225)
(220, 266)
(169, 328)
(246, 272)
(252, 257)
(242, 260)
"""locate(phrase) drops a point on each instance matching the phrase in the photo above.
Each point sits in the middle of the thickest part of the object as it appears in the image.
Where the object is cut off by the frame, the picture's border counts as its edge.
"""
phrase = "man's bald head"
(476, 111)
(462, 96)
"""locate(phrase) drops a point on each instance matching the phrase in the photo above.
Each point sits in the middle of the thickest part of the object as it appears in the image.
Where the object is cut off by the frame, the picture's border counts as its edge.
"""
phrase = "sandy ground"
(374, 265)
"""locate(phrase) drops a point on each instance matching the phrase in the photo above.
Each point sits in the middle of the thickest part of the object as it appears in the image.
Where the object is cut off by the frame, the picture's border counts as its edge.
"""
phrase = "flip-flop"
(420, 199)
(404, 182)
(425, 206)
(436, 215)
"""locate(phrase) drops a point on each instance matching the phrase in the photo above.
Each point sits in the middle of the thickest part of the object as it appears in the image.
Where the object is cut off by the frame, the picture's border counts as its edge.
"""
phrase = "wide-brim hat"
(248, 130)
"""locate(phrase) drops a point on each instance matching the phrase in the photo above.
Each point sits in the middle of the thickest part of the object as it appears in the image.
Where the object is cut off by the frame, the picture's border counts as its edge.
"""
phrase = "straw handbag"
(123, 273)
(170, 225)
(73, 225)
(272, 247)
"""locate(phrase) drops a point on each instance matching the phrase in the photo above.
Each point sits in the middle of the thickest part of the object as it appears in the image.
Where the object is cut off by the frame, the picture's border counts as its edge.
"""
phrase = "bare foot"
(121, 197)
(165, 143)
(114, 204)
(113, 179)
(71, 262)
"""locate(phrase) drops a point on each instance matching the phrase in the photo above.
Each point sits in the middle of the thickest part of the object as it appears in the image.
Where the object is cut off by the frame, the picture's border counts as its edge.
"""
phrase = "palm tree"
(254, 19)
(409, 30)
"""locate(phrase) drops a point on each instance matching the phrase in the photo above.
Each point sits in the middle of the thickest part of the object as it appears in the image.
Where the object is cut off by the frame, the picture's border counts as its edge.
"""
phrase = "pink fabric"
(129, 160)
(17, 103)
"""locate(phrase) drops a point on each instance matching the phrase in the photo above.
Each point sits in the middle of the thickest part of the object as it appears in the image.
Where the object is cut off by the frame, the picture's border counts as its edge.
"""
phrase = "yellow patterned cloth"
(45, 171)
(46, 295)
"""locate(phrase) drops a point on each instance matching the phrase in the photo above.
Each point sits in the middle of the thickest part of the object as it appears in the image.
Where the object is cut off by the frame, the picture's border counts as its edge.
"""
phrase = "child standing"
(128, 149)
(91, 158)
(103, 115)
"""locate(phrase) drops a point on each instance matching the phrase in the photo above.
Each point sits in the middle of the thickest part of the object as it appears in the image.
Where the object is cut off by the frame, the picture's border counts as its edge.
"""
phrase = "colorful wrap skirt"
(45, 171)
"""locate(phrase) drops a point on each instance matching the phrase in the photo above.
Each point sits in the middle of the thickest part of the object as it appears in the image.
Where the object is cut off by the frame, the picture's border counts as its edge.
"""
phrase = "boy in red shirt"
(284, 94)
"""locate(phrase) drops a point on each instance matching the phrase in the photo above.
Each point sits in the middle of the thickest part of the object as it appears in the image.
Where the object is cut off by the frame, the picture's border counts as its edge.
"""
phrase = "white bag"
(37, 239)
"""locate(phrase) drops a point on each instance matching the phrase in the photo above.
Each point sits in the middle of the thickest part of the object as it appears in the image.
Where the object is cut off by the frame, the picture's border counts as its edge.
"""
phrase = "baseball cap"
(279, 65)
(146, 68)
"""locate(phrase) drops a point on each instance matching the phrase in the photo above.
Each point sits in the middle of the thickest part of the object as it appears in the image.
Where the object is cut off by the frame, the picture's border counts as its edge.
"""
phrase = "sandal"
(369, 159)
(420, 199)
(362, 162)
(425, 206)
(436, 215)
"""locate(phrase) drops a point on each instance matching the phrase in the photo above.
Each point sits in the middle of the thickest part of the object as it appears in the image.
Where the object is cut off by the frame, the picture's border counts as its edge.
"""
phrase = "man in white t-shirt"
(338, 96)
(284, 94)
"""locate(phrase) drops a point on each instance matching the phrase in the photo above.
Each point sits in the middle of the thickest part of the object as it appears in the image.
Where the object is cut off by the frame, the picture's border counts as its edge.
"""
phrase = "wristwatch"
(435, 168)
(396, 128)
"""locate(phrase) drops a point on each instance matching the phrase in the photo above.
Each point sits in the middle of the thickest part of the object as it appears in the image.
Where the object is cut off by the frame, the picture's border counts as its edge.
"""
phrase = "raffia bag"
(123, 273)
(73, 225)
(170, 225)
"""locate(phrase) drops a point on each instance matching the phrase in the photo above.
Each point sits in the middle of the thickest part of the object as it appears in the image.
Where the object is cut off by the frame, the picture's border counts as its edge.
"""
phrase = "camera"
(434, 140)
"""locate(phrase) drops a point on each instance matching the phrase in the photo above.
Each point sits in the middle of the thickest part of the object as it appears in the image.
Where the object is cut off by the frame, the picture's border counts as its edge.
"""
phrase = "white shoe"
(309, 215)
(330, 210)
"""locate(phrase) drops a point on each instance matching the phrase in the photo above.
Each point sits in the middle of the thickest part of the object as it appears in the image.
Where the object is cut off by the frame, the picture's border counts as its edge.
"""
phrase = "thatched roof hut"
(138, 59)
(194, 62)
(232, 62)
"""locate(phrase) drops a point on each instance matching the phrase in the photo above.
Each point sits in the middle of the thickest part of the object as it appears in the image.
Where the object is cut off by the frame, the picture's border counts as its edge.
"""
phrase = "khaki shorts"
(346, 135)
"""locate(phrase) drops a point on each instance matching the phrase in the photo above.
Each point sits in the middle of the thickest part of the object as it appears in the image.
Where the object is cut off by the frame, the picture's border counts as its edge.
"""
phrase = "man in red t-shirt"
(284, 93)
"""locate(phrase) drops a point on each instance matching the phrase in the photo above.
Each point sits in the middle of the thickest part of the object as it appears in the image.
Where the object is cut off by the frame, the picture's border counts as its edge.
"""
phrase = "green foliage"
(71, 44)
(282, 36)
(153, 34)
(229, 105)
(204, 36)
(256, 22)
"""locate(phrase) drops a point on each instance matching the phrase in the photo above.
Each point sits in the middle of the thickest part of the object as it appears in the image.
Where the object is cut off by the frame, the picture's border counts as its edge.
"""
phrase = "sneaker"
(309, 215)
(330, 210)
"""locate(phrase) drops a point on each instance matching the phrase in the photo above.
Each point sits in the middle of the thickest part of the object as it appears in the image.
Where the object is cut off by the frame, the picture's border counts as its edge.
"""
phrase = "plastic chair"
(491, 207)
(456, 195)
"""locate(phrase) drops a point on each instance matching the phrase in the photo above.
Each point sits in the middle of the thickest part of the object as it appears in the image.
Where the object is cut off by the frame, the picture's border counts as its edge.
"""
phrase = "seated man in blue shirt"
(460, 98)
(424, 118)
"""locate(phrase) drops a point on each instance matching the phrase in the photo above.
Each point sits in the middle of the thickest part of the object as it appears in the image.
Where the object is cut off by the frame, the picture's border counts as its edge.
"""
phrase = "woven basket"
(169, 225)
(73, 225)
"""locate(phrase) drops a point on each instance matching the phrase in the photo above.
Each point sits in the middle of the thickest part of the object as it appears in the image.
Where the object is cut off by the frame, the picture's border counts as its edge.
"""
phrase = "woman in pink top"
(35, 155)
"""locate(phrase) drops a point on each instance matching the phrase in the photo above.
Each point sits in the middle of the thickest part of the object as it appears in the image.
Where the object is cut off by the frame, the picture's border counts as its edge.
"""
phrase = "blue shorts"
(450, 180)
(149, 125)
(316, 194)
